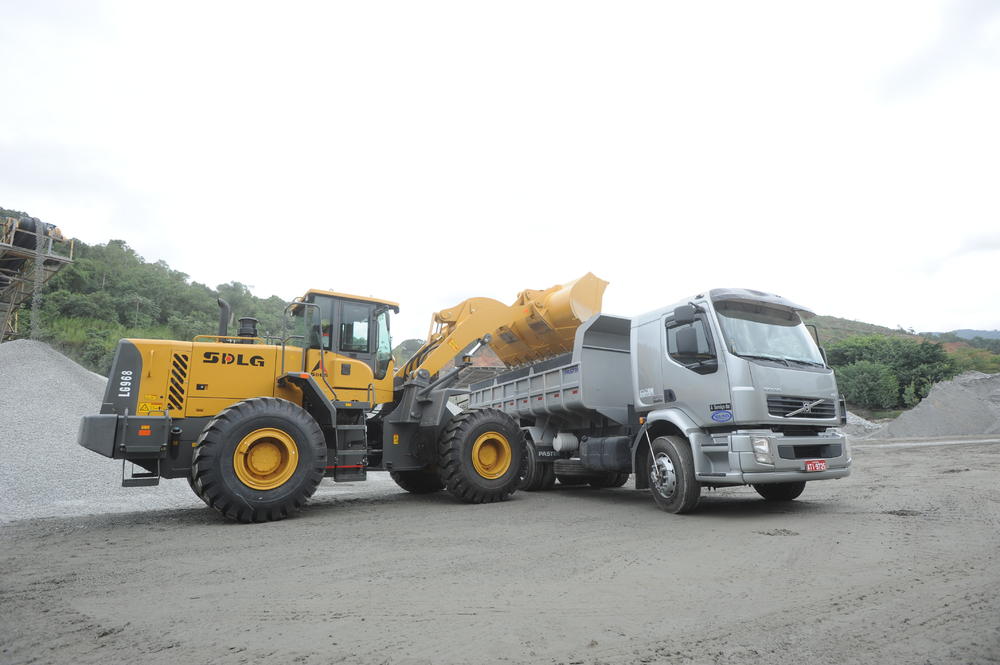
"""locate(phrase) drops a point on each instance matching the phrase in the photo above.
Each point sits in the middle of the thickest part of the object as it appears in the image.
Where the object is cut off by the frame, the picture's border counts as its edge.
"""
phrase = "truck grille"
(178, 382)
(782, 405)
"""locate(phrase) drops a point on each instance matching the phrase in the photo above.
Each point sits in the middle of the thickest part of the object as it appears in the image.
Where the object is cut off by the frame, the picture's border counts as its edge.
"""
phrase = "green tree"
(911, 362)
(869, 384)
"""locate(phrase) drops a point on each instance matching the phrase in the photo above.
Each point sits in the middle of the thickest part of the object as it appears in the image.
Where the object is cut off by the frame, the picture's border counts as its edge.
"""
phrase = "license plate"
(816, 465)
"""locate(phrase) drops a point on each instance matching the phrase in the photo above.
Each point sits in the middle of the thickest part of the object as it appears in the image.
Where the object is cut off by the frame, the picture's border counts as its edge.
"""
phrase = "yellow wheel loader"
(255, 424)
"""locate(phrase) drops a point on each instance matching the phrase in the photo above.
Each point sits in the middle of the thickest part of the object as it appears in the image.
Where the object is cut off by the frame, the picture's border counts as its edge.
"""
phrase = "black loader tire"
(259, 460)
(418, 482)
(479, 456)
(536, 476)
(611, 479)
(677, 492)
(780, 491)
(190, 479)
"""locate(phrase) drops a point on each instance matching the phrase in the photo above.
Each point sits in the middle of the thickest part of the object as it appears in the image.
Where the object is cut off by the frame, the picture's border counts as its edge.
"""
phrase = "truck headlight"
(762, 450)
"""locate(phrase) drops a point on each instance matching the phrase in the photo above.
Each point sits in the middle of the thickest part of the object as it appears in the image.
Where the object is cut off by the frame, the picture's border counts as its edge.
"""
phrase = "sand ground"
(898, 563)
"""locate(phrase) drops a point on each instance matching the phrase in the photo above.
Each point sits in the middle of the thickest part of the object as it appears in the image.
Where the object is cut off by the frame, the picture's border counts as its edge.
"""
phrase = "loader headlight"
(762, 450)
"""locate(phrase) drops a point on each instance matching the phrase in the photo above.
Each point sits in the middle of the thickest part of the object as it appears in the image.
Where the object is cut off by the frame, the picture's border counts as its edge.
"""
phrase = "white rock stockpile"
(43, 471)
(967, 405)
(859, 427)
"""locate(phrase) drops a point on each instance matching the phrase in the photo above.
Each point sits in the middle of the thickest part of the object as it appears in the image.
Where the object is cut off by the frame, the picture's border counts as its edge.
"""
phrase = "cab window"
(700, 359)
(355, 321)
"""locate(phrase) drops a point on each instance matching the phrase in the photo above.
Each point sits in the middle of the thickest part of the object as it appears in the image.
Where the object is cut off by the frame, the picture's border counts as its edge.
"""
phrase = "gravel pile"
(45, 473)
(859, 427)
(969, 404)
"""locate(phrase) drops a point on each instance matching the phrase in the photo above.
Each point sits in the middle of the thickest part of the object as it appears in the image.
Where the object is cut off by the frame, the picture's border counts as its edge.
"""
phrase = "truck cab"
(737, 373)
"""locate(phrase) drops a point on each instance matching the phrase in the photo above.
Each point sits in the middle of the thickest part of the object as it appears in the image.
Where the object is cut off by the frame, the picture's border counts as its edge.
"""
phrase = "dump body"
(593, 378)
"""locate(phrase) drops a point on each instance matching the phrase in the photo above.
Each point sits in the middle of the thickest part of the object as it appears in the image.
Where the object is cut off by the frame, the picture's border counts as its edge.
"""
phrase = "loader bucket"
(543, 323)
(540, 324)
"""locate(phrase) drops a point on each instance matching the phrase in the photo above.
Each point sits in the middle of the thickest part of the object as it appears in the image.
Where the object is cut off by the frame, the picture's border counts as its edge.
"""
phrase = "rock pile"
(967, 405)
(43, 471)
(859, 427)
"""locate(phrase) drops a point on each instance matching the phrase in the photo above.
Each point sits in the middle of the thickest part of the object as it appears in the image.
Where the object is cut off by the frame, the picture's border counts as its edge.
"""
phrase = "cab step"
(141, 479)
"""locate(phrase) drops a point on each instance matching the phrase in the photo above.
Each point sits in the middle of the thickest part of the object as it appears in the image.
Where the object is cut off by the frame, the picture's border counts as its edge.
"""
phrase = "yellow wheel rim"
(491, 455)
(265, 459)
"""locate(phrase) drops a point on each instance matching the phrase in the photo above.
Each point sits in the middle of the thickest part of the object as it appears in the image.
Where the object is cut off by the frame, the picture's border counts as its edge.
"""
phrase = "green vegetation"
(881, 372)
(832, 330)
(110, 292)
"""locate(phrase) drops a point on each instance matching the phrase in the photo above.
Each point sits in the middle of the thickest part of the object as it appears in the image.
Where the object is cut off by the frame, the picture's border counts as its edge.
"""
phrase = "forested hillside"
(110, 292)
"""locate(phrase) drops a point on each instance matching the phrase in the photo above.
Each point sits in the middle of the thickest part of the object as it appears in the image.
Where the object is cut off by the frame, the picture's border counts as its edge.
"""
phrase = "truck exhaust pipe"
(225, 312)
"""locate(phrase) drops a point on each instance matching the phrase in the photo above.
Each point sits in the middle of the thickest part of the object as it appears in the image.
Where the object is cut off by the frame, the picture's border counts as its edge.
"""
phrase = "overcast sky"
(845, 155)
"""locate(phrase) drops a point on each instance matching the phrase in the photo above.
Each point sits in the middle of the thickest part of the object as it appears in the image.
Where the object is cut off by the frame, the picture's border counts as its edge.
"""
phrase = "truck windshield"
(767, 333)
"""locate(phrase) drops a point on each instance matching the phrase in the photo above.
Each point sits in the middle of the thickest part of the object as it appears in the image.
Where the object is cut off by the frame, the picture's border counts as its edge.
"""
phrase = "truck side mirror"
(687, 342)
(684, 314)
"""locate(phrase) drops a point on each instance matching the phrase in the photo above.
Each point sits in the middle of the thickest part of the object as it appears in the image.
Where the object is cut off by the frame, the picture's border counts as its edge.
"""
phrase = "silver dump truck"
(725, 388)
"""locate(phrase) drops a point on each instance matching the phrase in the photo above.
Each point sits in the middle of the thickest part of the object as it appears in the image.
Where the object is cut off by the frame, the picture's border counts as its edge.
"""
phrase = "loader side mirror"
(684, 314)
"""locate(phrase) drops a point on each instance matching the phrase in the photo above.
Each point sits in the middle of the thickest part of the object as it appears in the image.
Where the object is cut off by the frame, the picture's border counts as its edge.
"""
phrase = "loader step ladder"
(141, 479)
(347, 459)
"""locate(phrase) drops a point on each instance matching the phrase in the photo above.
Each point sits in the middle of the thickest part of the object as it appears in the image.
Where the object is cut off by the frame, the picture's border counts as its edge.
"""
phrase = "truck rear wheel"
(479, 456)
(780, 491)
(259, 460)
(535, 475)
(417, 482)
(671, 475)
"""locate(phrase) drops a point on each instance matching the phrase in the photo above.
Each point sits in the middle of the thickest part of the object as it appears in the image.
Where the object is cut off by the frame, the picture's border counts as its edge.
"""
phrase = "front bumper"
(788, 456)
(125, 437)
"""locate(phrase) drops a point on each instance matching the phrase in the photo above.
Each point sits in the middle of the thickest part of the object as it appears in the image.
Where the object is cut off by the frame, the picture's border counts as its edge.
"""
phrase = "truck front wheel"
(259, 460)
(479, 456)
(671, 475)
(780, 491)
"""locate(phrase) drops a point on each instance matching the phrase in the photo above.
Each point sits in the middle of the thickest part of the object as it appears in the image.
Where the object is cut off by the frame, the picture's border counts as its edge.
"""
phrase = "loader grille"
(783, 405)
(178, 382)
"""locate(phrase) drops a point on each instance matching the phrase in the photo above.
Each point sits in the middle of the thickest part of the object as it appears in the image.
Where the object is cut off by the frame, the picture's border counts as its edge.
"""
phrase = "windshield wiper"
(759, 357)
(813, 363)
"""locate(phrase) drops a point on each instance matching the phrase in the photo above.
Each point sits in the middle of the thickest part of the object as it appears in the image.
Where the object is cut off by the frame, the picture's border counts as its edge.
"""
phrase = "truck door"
(693, 380)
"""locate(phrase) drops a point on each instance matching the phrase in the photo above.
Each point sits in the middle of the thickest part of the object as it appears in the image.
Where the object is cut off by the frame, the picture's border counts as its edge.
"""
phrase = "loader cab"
(353, 335)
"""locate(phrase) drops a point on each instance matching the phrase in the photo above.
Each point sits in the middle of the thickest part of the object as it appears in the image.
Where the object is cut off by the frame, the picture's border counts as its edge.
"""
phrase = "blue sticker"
(722, 416)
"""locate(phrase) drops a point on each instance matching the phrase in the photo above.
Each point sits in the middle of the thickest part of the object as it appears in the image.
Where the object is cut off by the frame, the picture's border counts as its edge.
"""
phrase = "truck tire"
(671, 475)
(535, 476)
(571, 480)
(573, 472)
(418, 482)
(611, 479)
(259, 460)
(780, 491)
(479, 456)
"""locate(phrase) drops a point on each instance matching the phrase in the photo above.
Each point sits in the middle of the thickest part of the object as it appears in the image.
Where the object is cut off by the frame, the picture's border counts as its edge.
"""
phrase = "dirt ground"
(900, 563)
